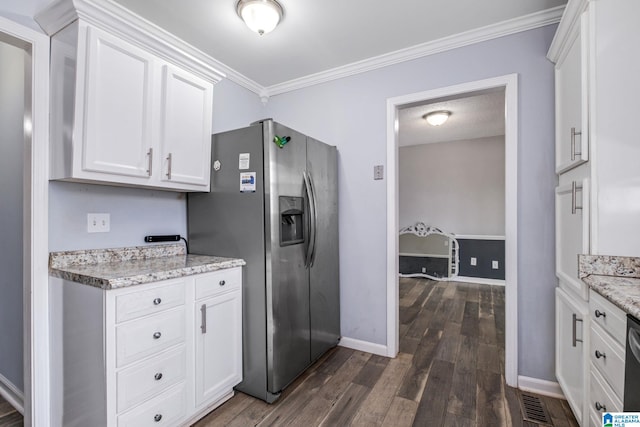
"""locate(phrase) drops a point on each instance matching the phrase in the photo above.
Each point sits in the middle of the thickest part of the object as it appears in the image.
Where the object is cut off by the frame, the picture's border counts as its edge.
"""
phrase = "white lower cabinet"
(146, 355)
(572, 347)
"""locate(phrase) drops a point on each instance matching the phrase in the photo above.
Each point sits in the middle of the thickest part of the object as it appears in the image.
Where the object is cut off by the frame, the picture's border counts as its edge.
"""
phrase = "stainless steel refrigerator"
(274, 203)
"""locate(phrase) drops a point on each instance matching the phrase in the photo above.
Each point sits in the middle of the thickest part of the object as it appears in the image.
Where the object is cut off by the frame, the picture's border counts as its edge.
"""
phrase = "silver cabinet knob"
(157, 335)
(222, 283)
(600, 407)
(157, 417)
(157, 301)
(599, 355)
(600, 313)
(158, 376)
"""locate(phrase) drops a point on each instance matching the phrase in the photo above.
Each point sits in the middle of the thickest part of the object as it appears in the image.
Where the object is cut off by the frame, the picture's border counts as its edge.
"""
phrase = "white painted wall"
(12, 95)
(457, 186)
(351, 113)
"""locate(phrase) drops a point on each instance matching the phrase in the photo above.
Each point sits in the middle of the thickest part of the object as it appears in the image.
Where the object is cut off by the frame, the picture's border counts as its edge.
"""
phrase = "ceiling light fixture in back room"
(261, 16)
(437, 118)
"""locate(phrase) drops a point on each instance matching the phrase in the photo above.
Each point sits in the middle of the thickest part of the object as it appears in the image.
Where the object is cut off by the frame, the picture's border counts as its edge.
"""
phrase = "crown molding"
(505, 28)
(567, 30)
(115, 19)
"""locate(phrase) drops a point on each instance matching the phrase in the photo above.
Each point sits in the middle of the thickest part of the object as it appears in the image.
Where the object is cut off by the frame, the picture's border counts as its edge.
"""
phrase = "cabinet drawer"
(168, 409)
(602, 396)
(216, 283)
(147, 336)
(608, 316)
(136, 304)
(608, 357)
(146, 379)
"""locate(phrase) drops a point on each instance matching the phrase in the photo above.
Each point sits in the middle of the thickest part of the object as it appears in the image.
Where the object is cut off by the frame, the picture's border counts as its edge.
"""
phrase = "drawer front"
(149, 335)
(168, 409)
(611, 318)
(151, 377)
(137, 304)
(601, 397)
(212, 284)
(608, 357)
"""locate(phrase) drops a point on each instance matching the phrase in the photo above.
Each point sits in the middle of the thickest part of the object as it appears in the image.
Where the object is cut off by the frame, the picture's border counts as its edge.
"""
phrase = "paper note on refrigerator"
(247, 182)
(243, 161)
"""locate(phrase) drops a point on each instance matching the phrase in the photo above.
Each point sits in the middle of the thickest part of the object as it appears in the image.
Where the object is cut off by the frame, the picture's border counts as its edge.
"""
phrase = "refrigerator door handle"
(312, 219)
(314, 223)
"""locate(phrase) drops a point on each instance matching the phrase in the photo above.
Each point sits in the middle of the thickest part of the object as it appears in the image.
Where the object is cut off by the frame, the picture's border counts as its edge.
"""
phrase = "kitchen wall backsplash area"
(133, 214)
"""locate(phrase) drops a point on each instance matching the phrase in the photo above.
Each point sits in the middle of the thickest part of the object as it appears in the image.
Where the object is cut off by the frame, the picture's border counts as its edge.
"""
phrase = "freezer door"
(322, 166)
(288, 348)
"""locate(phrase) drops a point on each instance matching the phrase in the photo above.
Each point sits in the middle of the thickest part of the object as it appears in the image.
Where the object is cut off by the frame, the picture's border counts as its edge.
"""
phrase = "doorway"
(394, 105)
(29, 52)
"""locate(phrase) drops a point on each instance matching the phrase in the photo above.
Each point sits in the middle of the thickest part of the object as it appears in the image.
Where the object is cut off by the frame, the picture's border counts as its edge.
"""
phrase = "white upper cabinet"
(186, 127)
(131, 104)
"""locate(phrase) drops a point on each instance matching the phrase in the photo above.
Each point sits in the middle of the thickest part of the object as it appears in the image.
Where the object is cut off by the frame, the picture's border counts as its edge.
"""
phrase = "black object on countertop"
(162, 238)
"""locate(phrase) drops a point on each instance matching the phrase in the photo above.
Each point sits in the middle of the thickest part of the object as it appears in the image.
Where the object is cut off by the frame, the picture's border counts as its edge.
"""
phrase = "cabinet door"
(218, 346)
(572, 135)
(572, 334)
(572, 232)
(118, 107)
(186, 128)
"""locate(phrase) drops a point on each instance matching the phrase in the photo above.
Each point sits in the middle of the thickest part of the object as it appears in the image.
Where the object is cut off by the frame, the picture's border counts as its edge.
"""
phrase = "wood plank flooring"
(9, 417)
(449, 372)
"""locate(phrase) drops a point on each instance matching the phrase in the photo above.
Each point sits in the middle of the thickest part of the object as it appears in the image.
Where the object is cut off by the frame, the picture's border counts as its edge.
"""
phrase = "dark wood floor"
(449, 372)
(9, 417)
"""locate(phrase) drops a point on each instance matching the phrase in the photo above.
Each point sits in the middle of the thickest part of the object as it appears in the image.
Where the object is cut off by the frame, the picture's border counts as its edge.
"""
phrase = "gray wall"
(12, 95)
(351, 113)
(457, 186)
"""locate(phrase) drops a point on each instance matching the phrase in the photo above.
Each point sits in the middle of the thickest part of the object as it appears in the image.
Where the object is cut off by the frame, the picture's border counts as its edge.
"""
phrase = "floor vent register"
(533, 409)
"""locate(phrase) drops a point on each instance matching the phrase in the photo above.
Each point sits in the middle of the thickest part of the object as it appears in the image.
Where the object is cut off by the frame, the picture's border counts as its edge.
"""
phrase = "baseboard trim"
(366, 346)
(11, 394)
(480, 280)
(538, 386)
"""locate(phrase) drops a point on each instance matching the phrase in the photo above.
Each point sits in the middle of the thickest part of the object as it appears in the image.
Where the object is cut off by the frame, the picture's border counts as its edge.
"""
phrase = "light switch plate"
(378, 172)
(98, 223)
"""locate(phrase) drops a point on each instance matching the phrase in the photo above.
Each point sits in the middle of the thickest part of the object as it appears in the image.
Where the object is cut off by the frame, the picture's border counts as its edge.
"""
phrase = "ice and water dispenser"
(291, 220)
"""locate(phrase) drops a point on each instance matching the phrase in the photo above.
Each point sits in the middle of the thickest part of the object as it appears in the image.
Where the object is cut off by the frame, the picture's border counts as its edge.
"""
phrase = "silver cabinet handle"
(574, 153)
(157, 417)
(574, 203)
(157, 335)
(575, 339)
(600, 313)
(157, 301)
(600, 355)
(150, 159)
(222, 283)
(600, 407)
(203, 318)
(169, 158)
(158, 376)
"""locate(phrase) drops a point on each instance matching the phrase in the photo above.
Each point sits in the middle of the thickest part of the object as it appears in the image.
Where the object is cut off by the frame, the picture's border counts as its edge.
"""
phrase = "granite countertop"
(121, 267)
(615, 278)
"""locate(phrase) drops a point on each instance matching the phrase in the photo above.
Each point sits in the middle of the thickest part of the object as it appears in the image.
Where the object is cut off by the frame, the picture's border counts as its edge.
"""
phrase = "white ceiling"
(474, 115)
(320, 35)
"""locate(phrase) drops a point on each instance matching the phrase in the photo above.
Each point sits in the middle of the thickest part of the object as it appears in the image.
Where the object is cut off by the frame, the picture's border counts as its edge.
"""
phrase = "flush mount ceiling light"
(261, 16)
(436, 118)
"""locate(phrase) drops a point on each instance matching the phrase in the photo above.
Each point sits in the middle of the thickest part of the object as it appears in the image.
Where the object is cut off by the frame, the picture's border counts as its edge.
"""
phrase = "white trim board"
(11, 394)
(366, 346)
(36, 228)
(478, 237)
(538, 386)
(510, 83)
(479, 280)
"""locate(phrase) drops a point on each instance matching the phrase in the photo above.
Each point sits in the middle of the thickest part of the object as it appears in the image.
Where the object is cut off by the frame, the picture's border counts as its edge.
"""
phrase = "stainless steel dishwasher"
(632, 366)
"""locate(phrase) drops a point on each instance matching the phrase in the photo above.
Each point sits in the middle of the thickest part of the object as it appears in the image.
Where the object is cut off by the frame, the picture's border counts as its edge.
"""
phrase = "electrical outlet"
(98, 223)
(494, 265)
(474, 260)
(424, 269)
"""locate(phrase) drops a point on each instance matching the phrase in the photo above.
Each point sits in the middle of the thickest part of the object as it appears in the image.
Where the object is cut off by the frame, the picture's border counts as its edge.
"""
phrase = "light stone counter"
(122, 267)
(615, 278)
